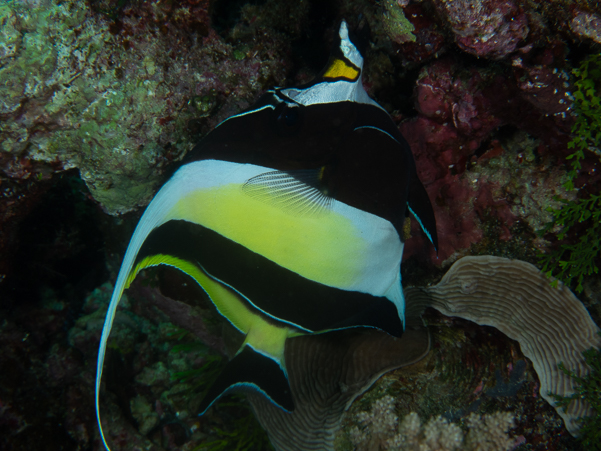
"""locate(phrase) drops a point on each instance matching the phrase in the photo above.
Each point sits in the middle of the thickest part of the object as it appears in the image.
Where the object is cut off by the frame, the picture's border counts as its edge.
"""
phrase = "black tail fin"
(250, 370)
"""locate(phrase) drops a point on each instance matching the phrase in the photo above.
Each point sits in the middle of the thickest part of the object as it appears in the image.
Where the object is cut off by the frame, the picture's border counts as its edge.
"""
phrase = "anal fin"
(250, 370)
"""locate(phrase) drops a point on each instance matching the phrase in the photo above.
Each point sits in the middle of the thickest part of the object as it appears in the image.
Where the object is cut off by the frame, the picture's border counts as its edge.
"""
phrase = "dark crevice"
(59, 247)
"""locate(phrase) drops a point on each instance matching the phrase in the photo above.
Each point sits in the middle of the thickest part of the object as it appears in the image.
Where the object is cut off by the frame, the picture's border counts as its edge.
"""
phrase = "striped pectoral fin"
(297, 192)
(254, 371)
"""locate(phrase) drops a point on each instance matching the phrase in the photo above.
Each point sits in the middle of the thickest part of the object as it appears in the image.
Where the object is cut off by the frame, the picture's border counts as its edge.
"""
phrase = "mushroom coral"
(551, 325)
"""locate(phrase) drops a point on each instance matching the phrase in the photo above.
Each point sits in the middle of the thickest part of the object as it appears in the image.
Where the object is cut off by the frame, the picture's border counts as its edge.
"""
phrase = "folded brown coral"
(551, 324)
(327, 372)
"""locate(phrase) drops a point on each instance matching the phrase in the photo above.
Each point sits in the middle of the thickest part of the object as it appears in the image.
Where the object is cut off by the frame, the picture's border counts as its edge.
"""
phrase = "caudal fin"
(251, 371)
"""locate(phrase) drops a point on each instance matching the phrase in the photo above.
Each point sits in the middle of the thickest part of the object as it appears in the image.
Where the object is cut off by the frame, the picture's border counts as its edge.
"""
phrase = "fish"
(289, 216)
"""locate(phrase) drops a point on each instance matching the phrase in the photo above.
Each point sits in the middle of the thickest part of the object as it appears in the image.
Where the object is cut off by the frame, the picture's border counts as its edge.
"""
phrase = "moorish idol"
(290, 217)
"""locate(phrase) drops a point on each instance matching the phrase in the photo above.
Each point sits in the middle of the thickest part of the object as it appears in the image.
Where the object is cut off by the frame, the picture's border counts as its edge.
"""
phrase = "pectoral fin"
(295, 192)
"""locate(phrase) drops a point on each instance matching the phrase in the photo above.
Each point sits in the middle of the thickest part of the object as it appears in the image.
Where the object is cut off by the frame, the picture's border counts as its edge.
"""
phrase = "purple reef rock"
(485, 28)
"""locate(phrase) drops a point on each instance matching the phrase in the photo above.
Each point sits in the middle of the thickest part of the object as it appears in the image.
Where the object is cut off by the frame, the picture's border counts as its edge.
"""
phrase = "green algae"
(241, 432)
(395, 24)
(78, 91)
(573, 262)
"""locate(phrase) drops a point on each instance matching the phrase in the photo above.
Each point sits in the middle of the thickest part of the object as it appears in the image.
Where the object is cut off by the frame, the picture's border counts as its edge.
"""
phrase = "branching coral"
(380, 429)
(572, 262)
(489, 432)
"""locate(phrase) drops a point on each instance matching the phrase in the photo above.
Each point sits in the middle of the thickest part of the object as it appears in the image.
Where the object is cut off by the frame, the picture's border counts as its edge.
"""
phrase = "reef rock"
(485, 28)
(116, 98)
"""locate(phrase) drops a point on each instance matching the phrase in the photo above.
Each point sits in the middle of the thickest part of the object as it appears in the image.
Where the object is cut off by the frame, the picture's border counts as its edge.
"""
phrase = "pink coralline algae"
(456, 114)
(485, 28)
(429, 39)
(545, 88)
(454, 119)
(452, 137)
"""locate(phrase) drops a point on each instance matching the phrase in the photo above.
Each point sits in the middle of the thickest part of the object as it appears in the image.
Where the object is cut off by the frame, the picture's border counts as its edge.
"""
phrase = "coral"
(520, 177)
(437, 434)
(144, 414)
(380, 429)
(377, 426)
(455, 118)
(454, 380)
(489, 432)
(58, 80)
(118, 100)
(486, 143)
(445, 94)
(485, 28)
(544, 87)
(330, 370)
(588, 387)
(515, 297)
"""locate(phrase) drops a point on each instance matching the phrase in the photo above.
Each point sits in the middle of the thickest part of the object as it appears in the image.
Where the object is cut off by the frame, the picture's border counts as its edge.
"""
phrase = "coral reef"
(118, 100)
(586, 25)
(486, 28)
(514, 297)
(471, 168)
(429, 40)
(489, 432)
(485, 94)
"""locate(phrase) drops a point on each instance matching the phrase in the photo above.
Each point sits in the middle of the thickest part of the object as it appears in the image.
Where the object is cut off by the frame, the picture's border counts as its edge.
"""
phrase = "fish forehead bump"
(341, 81)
